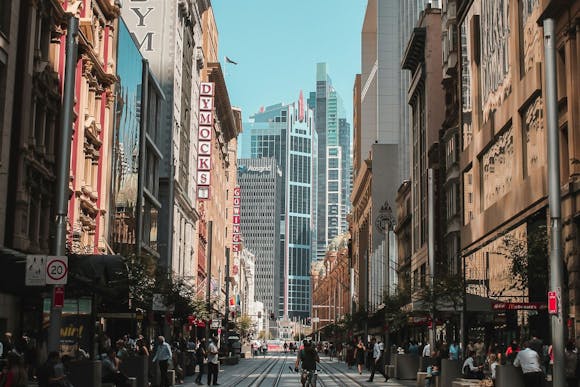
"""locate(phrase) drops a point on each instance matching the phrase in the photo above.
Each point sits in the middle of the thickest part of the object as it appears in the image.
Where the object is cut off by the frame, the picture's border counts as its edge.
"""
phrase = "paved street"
(274, 370)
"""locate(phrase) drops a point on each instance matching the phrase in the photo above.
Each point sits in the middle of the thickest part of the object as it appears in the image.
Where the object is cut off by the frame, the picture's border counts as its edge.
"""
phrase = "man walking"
(200, 356)
(212, 362)
(377, 357)
(162, 356)
(529, 360)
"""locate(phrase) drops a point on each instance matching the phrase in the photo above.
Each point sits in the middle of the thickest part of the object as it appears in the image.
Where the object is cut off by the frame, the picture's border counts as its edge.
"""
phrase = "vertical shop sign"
(204, 136)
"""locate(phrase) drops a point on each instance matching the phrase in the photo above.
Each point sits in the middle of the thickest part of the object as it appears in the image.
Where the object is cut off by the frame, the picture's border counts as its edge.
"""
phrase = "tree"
(395, 317)
(245, 324)
(446, 292)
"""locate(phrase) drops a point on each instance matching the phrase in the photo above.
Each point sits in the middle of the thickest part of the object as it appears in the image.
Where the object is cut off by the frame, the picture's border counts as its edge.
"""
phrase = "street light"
(384, 223)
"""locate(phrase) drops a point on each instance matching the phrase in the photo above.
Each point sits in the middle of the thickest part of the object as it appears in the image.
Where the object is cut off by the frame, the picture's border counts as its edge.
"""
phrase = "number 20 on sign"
(56, 270)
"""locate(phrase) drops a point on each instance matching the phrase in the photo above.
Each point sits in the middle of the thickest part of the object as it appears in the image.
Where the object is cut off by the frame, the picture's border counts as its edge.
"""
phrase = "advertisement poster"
(75, 332)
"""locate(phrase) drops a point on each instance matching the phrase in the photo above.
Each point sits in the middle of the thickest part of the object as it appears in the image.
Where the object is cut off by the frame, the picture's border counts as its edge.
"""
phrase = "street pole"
(63, 169)
(554, 200)
(226, 319)
(208, 285)
(431, 250)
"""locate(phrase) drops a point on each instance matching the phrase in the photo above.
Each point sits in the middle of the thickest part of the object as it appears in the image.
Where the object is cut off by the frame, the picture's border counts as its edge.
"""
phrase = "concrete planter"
(406, 367)
(138, 368)
(508, 376)
(86, 373)
(450, 370)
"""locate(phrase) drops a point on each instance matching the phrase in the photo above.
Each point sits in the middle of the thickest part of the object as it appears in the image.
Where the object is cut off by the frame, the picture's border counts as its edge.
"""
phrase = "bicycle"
(307, 377)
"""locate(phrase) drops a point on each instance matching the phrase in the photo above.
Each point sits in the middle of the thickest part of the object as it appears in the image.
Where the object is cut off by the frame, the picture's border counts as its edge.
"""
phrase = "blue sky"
(277, 44)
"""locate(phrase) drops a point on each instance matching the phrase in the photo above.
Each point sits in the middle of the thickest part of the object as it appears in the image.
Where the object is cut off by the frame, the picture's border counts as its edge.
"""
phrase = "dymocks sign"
(204, 136)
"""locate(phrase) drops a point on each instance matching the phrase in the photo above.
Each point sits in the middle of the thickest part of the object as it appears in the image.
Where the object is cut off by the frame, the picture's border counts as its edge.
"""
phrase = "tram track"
(255, 373)
(336, 376)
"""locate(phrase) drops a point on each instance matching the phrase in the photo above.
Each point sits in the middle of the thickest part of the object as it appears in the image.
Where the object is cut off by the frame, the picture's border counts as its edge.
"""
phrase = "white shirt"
(427, 350)
(376, 351)
(493, 367)
(469, 362)
(529, 360)
(212, 356)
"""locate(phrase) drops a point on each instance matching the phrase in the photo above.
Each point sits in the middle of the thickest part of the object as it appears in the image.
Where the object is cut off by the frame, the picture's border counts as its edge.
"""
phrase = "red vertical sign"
(237, 235)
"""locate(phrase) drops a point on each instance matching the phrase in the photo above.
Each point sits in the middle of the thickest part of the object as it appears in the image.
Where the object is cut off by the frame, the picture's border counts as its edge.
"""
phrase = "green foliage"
(146, 279)
(244, 323)
(395, 317)
(446, 292)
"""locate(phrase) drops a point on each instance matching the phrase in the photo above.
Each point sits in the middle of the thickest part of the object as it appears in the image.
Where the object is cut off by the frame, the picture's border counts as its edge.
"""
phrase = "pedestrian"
(426, 350)
(349, 354)
(529, 361)
(493, 363)
(571, 364)
(200, 358)
(7, 344)
(359, 354)
(413, 348)
(454, 351)
(162, 356)
(212, 362)
(469, 369)
(15, 374)
(376, 363)
(434, 370)
(110, 370)
(512, 351)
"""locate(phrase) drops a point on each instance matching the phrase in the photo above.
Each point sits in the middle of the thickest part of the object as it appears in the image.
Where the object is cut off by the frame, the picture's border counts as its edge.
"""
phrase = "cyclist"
(307, 357)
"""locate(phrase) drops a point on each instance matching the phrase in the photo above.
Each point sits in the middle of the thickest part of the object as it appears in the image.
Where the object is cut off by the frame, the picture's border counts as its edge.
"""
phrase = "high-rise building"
(286, 133)
(334, 161)
(261, 186)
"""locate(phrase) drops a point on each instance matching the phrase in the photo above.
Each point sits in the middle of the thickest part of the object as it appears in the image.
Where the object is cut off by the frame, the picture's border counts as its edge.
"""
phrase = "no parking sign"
(56, 270)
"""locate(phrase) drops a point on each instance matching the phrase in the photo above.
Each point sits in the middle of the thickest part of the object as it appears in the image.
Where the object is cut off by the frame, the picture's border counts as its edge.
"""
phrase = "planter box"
(86, 373)
(508, 376)
(406, 367)
(450, 370)
(138, 368)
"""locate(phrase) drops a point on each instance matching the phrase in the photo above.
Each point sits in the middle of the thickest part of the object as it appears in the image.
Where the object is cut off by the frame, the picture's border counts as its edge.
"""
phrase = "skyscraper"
(261, 185)
(286, 133)
(334, 161)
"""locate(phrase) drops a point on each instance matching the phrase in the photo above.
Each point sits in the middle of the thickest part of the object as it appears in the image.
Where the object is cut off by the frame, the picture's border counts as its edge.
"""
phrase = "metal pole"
(209, 243)
(63, 168)
(226, 319)
(554, 200)
(431, 249)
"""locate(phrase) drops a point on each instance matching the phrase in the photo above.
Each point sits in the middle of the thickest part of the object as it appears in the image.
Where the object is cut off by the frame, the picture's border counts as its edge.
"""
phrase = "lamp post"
(384, 223)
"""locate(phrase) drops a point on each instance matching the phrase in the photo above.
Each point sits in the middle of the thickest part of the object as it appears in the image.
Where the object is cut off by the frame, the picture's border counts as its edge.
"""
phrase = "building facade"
(333, 161)
(286, 133)
(261, 185)
(330, 284)
(423, 59)
(176, 57)
(503, 155)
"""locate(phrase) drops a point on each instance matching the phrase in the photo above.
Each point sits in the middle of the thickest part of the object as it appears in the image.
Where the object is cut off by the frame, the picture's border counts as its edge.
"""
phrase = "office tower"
(286, 133)
(333, 160)
(261, 187)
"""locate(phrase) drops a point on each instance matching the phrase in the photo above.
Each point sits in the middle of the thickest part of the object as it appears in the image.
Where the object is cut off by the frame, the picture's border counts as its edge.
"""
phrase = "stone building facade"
(330, 284)
(503, 155)
(33, 40)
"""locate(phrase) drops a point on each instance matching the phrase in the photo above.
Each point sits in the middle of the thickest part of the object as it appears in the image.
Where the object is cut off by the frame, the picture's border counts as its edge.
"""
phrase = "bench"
(465, 383)
(421, 376)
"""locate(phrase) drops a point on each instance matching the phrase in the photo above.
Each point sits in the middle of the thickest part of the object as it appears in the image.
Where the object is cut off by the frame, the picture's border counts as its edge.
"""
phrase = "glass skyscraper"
(286, 133)
(334, 161)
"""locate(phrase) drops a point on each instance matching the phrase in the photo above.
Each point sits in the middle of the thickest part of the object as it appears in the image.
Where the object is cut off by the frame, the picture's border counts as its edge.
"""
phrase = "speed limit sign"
(56, 270)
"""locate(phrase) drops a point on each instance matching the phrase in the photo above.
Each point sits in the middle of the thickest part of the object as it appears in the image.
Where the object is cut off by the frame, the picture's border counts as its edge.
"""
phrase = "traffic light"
(259, 314)
(308, 320)
(272, 316)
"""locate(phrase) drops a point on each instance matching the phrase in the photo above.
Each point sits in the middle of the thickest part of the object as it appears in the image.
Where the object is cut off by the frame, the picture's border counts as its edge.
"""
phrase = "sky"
(277, 44)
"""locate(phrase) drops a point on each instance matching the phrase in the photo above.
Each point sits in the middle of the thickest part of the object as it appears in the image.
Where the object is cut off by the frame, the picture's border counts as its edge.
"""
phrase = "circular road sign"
(56, 270)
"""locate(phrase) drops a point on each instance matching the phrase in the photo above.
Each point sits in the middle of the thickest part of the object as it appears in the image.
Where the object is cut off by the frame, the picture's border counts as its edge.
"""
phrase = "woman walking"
(359, 354)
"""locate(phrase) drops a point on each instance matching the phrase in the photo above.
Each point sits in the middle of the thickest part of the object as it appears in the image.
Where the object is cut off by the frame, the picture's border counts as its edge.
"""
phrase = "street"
(275, 370)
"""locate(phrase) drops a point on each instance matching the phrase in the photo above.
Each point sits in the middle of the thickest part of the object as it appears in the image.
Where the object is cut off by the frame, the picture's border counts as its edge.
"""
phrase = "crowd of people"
(21, 361)
(478, 360)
